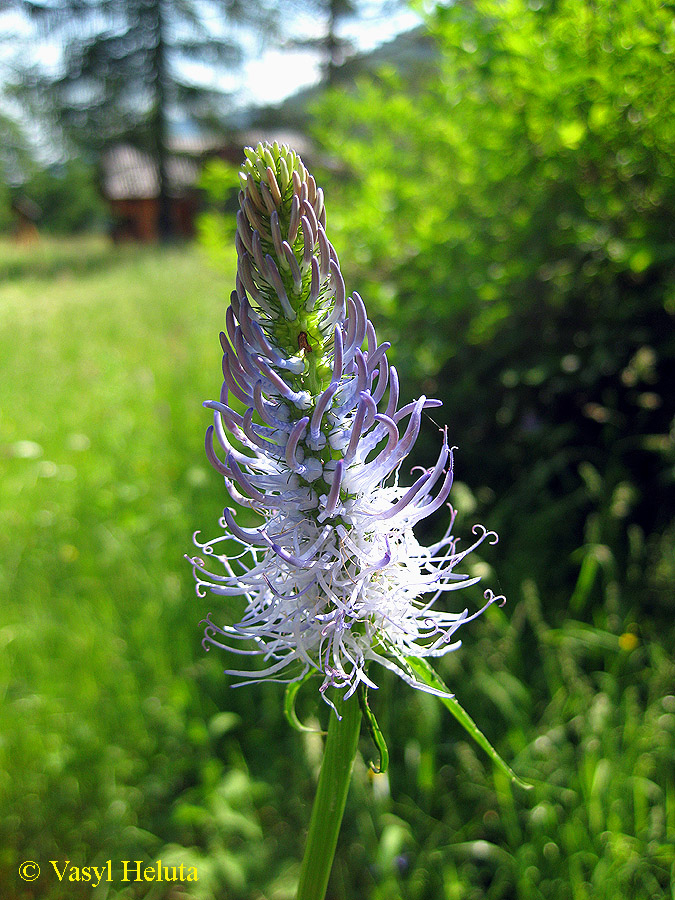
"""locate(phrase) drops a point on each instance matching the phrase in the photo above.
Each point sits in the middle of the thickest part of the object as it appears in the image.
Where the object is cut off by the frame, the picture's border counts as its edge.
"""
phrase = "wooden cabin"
(27, 215)
(130, 183)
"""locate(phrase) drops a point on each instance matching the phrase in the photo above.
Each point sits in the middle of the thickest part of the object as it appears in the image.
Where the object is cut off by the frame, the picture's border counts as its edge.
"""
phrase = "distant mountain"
(410, 54)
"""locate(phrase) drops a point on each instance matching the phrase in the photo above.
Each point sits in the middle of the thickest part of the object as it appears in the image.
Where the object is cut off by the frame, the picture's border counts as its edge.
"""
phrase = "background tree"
(126, 70)
(17, 160)
(16, 163)
(68, 197)
(333, 45)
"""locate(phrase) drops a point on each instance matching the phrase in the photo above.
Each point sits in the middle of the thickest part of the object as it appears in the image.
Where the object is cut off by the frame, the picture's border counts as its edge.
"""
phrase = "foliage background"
(509, 220)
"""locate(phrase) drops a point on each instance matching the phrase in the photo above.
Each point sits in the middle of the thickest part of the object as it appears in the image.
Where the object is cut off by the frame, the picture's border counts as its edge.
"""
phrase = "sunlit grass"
(106, 356)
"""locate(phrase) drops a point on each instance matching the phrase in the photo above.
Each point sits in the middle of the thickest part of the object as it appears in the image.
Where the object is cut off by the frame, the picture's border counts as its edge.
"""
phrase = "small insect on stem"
(303, 342)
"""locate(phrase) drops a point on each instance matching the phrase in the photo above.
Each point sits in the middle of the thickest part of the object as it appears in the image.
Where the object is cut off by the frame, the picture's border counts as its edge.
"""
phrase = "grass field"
(120, 738)
(106, 356)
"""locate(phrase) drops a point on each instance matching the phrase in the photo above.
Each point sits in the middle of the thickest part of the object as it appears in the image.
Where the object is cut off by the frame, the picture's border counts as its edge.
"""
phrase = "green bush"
(69, 198)
(513, 213)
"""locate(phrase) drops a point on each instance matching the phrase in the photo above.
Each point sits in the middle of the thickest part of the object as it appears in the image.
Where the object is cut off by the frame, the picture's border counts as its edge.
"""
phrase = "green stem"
(331, 795)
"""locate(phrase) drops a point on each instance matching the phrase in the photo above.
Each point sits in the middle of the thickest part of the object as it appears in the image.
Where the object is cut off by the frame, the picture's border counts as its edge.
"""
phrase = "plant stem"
(331, 795)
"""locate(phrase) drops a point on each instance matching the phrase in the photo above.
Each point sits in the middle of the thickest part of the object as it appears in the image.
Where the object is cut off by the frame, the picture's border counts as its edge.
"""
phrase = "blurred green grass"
(106, 354)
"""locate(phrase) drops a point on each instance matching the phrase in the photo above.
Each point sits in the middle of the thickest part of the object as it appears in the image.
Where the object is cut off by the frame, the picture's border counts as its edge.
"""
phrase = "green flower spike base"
(331, 796)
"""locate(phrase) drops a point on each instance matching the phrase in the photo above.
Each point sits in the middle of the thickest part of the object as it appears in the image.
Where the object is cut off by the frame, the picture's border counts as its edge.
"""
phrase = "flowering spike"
(297, 183)
(333, 577)
(244, 231)
(318, 207)
(274, 187)
(285, 175)
(334, 495)
(245, 535)
(337, 356)
(268, 200)
(382, 380)
(275, 278)
(297, 432)
(252, 190)
(324, 254)
(292, 264)
(293, 219)
(310, 215)
(252, 214)
(257, 252)
(308, 239)
(276, 237)
(314, 286)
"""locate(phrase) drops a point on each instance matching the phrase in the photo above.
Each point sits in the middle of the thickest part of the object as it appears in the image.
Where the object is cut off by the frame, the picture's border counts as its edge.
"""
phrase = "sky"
(272, 76)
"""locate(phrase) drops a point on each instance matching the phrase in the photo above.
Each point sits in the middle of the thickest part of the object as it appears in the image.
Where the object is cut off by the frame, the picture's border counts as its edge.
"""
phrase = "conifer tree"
(126, 69)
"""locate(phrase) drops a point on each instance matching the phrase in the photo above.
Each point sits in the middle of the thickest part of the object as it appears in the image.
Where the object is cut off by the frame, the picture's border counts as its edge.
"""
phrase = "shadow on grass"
(61, 257)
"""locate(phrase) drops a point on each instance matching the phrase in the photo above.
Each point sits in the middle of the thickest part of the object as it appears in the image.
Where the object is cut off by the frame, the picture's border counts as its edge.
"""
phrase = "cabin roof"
(131, 174)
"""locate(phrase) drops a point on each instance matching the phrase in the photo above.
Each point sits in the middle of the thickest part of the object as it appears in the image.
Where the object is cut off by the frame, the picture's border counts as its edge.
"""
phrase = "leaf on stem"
(375, 733)
(429, 676)
(289, 706)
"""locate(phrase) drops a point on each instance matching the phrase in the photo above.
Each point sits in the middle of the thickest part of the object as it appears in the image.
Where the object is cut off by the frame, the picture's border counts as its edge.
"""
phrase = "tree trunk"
(332, 43)
(159, 124)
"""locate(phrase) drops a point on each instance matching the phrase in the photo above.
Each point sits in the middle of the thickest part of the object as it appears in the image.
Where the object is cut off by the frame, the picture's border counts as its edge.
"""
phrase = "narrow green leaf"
(425, 672)
(585, 581)
(375, 733)
(289, 706)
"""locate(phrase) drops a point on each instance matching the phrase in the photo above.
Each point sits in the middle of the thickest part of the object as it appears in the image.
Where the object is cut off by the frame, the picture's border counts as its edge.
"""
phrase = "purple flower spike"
(333, 575)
